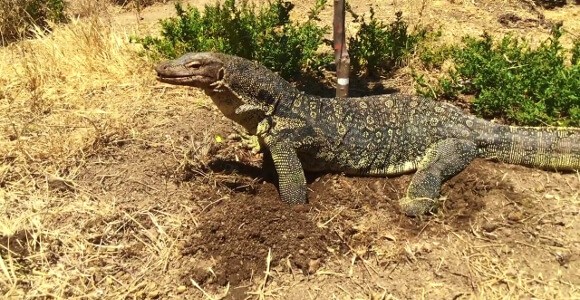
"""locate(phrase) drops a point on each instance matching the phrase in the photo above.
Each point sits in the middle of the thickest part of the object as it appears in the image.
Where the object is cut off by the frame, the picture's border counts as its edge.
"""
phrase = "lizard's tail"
(540, 147)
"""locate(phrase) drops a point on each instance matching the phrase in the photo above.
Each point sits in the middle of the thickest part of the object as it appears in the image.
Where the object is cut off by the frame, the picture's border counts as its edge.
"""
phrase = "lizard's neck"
(227, 102)
(261, 86)
(248, 83)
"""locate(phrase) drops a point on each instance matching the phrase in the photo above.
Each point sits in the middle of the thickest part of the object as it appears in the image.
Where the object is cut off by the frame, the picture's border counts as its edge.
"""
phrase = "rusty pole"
(340, 52)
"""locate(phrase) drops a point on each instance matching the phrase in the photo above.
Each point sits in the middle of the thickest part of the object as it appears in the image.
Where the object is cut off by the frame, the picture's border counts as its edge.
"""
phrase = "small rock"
(563, 258)
(427, 248)
(511, 272)
(390, 237)
(59, 184)
(154, 294)
(410, 253)
(181, 289)
(313, 266)
(490, 227)
(515, 216)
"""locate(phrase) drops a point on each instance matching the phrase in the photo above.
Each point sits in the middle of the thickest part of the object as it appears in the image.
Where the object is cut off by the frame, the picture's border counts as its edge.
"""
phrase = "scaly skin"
(374, 135)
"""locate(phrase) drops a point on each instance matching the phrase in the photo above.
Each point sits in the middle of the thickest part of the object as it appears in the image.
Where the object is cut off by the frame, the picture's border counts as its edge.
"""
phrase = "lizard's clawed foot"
(416, 207)
(250, 142)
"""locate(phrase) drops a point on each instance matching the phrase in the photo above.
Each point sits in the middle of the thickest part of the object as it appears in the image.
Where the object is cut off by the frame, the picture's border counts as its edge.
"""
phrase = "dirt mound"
(239, 232)
(236, 233)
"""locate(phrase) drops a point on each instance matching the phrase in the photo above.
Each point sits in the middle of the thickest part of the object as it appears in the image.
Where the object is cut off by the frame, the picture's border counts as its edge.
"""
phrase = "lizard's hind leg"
(442, 161)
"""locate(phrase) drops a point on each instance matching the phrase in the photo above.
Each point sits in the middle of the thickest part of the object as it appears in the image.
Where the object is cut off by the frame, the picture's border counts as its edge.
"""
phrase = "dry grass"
(55, 95)
(88, 8)
(64, 97)
(71, 101)
(19, 17)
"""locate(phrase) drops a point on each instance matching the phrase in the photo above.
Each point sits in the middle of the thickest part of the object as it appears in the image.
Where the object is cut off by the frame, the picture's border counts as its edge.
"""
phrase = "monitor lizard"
(378, 135)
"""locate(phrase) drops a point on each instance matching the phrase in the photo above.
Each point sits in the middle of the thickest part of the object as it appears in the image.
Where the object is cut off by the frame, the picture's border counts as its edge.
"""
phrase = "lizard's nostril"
(161, 68)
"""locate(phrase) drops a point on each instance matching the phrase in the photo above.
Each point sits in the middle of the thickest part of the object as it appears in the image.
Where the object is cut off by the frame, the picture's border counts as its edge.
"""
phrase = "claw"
(418, 206)
(248, 141)
(217, 86)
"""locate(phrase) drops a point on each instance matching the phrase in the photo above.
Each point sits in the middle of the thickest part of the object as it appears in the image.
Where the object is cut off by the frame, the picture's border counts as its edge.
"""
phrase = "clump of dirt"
(464, 192)
(17, 244)
(239, 232)
(20, 246)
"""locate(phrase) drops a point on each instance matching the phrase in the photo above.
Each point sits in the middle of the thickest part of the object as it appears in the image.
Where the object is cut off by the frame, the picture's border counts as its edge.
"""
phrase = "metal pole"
(340, 52)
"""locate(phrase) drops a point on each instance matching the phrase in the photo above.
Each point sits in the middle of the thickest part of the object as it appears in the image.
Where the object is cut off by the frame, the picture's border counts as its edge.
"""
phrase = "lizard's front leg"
(248, 140)
(291, 180)
(247, 113)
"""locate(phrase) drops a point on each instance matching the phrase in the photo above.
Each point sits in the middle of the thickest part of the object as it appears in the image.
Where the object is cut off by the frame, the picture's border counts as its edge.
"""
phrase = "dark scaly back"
(378, 135)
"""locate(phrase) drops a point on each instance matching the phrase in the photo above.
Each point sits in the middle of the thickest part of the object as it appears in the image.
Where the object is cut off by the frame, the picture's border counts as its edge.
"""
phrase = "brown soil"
(236, 218)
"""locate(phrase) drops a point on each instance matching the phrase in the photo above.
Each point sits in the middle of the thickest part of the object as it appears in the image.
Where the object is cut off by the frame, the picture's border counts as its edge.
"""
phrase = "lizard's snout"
(162, 68)
(168, 69)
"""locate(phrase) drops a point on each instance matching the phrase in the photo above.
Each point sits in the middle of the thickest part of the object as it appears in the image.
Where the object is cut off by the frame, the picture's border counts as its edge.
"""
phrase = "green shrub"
(576, 53)
(377, 47)
(19, 17)
(266, 34)
(515, 82)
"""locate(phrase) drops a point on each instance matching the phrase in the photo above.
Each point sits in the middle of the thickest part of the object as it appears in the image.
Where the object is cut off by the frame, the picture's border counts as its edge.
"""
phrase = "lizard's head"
(222, 77)
(201, 70)
(243, 90)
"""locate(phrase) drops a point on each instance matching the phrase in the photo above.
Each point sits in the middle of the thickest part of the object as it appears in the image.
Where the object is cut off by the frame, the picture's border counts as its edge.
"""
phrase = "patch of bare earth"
(126, 188)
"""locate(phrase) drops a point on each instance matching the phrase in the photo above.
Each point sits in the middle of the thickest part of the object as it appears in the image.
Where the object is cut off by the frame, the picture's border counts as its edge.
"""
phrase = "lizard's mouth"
(191, 80)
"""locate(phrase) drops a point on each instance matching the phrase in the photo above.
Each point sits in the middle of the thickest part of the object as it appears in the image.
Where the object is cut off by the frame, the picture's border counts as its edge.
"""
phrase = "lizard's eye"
(193, 64)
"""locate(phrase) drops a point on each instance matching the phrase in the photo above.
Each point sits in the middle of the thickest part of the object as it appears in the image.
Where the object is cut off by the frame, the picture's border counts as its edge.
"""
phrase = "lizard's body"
(373, 135)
